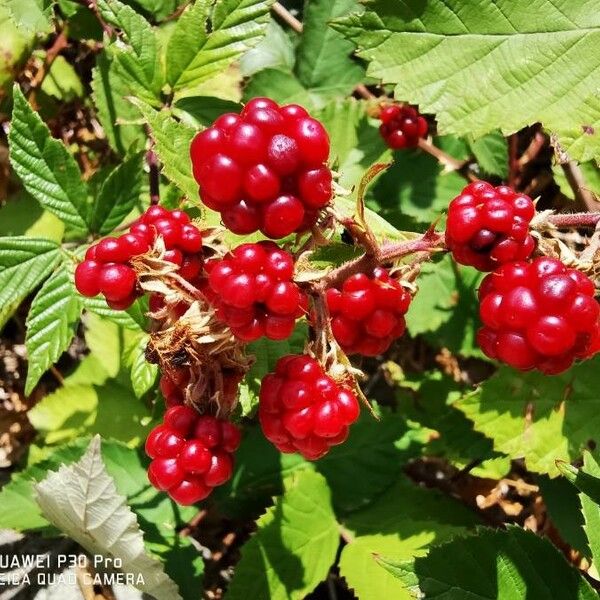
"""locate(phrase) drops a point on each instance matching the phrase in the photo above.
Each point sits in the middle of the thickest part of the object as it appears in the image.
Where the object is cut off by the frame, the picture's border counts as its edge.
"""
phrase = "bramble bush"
(307, 292)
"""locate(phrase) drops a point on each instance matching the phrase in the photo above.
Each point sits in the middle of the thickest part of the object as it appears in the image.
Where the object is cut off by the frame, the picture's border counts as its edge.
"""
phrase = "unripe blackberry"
(264, 169)
(401, 126)
(539, 315)
(191, 454)
(253, 291)
(489, 226)
(304, 410)
(107, 267)
(367, 313)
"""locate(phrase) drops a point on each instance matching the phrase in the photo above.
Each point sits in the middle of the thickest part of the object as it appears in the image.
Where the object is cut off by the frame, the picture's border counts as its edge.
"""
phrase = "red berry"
(87, 278)
(401, 126)
(191, 453)
(111, 250)
(117, 281)
(540, 315)
(488, 226)
(264, 170)
(303, 409)
(253, 291)
(367, 314)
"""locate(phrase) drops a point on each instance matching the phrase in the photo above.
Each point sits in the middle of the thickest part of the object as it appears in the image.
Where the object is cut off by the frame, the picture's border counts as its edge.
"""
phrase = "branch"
(577, 182)
(583, 219)
(389, 252)
(285, 15)
(449, 162)
(59, 44)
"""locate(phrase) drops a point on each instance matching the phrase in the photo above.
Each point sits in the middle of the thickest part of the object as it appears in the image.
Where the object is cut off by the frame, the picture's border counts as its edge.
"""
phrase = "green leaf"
(15, 46)
(532, 62)
(118, 194)
(172, 145)
(116, 114)
(23, 215)
(591, 510)
(355, 143)
(499, 565)
(564, 508)
(19, 509)
(97, 397)
(143, 374)
(50, 324)
(62, 81)
(295, 544)
(402, 523)
(536, 417)
(132, 318)
(82, 501)
(203, 110)
(275, 49)
(428, 398)
(197, 51)
(491, 152)
(24, 264)
(323, 63)
(31, 16)
(140, 60)
(49, 173)
(357, 471)
(281, 85)
(446, 308)
(415, 185)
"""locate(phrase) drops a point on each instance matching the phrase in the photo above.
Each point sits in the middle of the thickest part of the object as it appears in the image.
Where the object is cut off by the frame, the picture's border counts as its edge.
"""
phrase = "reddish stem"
(386, 253)
(584, 219)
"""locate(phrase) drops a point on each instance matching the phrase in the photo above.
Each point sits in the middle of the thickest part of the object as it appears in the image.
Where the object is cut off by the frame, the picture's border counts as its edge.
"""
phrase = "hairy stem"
(583, 219)
(577, 182)
(386, 253)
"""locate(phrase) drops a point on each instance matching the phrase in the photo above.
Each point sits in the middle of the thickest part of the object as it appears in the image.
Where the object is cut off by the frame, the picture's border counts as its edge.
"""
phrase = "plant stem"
(577, 182)
(59, 44)
(285, 15)
(154, 177)
(451, 163)
(582, 219)
(386, 253)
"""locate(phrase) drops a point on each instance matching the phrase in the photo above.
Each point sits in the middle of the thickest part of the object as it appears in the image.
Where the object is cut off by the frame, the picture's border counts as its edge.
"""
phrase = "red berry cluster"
(489, 226)
(191, 454)
(253, 291)
(107, 269)
(401, 126)
(539, 315)
(264, 169)
(304, 410)
(367, 314)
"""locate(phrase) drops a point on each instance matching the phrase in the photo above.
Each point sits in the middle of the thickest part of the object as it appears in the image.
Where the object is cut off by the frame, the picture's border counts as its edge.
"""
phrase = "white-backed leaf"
(50, 324)
(45, 166)
(24, 263)
(82, 501)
